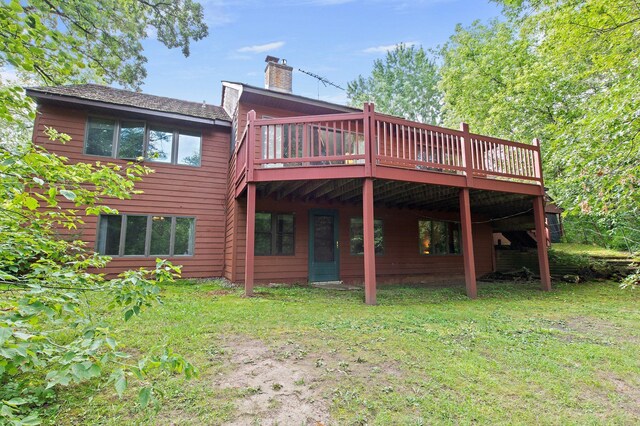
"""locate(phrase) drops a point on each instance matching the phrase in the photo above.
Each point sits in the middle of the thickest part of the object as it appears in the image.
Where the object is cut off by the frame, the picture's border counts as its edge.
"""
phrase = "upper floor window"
(133, 139)
(437, 237)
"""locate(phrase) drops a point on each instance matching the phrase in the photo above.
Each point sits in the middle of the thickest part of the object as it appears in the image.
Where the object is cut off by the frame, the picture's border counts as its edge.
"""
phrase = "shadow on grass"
(411, 294)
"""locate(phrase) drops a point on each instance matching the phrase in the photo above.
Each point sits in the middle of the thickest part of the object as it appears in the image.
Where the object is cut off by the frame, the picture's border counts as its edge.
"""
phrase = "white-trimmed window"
(129, 140)
(146, 235)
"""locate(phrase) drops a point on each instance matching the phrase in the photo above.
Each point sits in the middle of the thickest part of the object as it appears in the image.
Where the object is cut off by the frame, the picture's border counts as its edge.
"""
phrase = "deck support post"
(541, 240)
(369, 243)
(467, 244)
(250, 239)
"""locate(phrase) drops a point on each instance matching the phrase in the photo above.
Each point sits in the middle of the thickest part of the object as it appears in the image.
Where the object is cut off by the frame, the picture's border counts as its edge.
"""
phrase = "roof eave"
(247, 88)
(37, 94)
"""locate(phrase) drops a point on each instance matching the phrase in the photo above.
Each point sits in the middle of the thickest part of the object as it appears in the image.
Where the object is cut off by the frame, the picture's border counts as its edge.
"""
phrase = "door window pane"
(189, 148)
(160, 235)
(136, 234)
(323, 239)
(185, 235)
(131, 140)
(160, 145)
(109, 235)
(100, 134)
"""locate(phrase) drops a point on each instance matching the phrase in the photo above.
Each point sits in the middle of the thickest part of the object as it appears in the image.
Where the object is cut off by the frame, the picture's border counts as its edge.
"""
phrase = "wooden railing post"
(251, 144)
(373, 138)
(368, 140)
(537, 163)
(305, 142)
(467, 157)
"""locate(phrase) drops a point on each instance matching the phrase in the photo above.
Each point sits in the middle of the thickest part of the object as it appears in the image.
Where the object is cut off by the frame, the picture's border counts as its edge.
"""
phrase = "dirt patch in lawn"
(628, 393)
(595, 330)
(614, 395)
(285, 384)
(275, 391)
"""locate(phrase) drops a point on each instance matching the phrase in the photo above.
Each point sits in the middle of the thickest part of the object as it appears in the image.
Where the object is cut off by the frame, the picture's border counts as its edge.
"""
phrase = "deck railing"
(343, 139)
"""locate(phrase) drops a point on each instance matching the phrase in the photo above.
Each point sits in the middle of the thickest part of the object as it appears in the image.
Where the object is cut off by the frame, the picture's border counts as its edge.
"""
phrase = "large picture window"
(145, 235)
(356, 236)
(437, 237)
(134, 139)
(274, 234)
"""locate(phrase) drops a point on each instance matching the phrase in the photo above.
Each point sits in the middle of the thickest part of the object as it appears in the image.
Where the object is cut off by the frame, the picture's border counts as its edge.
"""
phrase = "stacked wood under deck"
(380, 159)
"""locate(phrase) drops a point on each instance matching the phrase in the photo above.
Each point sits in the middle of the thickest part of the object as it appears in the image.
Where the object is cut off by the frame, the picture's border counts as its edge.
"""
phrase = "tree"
(565, 71)
(49, 335)
(77, 40)
(405, 84)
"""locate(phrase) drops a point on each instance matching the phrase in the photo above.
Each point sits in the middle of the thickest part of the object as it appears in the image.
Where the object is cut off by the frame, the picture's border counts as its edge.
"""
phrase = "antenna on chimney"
(320, 79)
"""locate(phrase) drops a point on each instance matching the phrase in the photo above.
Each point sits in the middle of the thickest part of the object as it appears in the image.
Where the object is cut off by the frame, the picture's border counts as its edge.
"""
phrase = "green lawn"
(422, 356)
(593, 251)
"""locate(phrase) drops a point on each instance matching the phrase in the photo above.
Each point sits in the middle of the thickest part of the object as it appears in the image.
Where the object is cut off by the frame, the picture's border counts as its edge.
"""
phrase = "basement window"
(356, 236)
(145, 235)
(274, 235)
(130, 140)
(438, 237)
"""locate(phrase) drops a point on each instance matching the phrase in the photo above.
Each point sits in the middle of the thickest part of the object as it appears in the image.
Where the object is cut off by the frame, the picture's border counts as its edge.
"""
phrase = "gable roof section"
(305, 105)
(119, 99)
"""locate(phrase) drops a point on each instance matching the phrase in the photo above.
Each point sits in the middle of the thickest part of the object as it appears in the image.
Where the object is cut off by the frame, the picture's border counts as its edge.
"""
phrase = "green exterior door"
(324, 253)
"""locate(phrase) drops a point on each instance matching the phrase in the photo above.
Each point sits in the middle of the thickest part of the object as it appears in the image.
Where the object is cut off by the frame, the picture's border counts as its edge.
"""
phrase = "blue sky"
(337, 39)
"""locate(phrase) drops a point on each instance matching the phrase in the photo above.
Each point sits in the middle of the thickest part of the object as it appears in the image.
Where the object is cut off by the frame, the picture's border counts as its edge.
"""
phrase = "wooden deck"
(348, 154)
(372, 145)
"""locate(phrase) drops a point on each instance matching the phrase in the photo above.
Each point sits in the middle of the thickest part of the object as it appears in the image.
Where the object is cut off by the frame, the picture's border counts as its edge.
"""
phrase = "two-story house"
(275, 187)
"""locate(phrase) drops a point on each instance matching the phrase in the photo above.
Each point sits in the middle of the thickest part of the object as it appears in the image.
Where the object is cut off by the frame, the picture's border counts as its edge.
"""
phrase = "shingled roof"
(110, 95)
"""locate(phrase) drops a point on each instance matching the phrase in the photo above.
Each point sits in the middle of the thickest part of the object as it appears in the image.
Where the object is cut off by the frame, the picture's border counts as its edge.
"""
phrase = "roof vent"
(277, 75)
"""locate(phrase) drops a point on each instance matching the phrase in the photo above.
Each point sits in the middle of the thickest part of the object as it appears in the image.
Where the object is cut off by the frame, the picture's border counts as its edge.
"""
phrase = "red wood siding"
(401, 261)
(199, 192)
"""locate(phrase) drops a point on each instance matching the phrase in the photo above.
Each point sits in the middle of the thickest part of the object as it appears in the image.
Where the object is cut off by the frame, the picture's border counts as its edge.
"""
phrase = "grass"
(592, 251)
(422, 356)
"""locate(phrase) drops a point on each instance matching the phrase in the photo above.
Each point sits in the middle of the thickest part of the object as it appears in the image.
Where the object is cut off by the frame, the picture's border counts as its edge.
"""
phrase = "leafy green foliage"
(632, 280)
(49, 335)
(565, 71)
(76, 40)
(404, 84)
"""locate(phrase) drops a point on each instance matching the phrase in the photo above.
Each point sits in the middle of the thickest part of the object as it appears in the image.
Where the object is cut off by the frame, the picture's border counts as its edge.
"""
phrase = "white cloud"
(388, 47)
(261, 48)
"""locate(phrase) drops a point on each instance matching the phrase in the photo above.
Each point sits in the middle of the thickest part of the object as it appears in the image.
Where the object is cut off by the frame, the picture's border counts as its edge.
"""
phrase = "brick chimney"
(277, 75)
